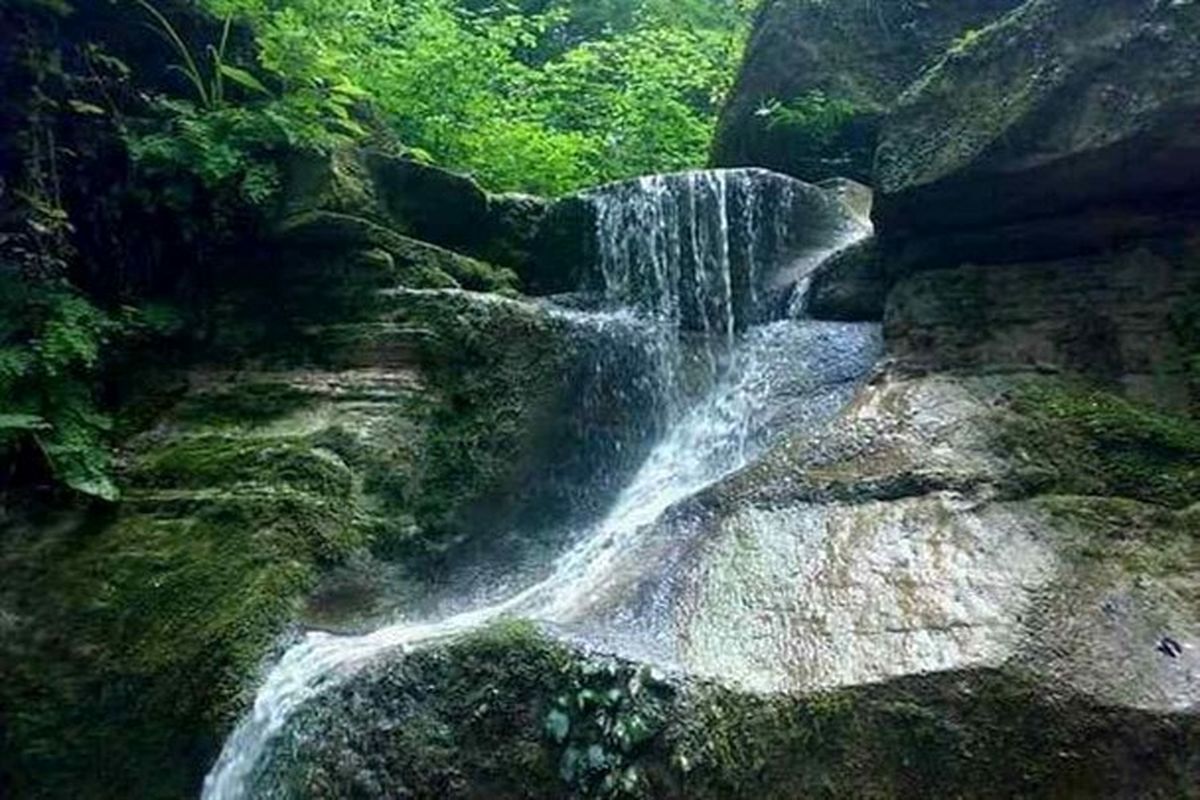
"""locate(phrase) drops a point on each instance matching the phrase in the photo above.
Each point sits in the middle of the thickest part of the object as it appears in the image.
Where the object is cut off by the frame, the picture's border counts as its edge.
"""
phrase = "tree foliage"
(544, 96)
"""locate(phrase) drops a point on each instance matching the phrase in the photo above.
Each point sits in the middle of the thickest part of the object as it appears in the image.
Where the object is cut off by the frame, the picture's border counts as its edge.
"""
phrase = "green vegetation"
(813, 121)
(1081, 440)
(603, 721)
(540, 96)
(50, 342)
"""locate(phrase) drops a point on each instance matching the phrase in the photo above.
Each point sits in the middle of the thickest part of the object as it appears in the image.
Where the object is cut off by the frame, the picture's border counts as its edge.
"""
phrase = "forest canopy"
(543, 96)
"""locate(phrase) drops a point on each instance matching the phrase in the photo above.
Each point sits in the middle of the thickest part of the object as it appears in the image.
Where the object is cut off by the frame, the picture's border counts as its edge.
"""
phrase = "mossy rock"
(1120, 318)
(507, 448)
(138, 631)
(1078, 440)
(480, 717)
(421, 261)
(1018, 121)
(858, 55)
(136, 645)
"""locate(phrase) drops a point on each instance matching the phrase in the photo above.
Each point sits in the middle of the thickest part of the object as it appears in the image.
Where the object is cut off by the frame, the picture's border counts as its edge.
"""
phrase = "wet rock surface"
(851, 286)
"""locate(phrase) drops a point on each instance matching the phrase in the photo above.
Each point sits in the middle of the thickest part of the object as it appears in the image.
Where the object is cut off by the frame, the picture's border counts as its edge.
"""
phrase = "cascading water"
(706, 258)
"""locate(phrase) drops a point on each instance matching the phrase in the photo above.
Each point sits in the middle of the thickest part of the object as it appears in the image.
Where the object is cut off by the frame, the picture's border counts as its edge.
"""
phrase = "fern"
(51, 341)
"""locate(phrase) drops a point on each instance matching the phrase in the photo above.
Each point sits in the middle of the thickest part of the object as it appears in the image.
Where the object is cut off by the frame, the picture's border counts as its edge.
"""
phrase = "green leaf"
(80, 107)
(350, 126)
(243, 78)
(558, 725)
(22, 422)
(99, 486)
(350, 90)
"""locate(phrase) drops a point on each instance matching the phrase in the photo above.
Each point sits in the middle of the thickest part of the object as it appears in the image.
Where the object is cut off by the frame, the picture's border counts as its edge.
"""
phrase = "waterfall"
(707, 257)
(714, 251)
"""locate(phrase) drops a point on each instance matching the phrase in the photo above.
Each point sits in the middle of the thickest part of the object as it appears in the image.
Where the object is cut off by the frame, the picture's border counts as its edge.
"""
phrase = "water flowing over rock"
(714, 251)
(673, 249)
(803, 524)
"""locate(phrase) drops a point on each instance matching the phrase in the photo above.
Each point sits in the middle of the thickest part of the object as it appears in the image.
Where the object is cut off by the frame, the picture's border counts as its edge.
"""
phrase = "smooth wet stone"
(903, 541)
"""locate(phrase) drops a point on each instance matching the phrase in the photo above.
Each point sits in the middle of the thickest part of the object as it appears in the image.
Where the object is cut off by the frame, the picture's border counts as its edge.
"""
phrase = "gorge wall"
(961, 561)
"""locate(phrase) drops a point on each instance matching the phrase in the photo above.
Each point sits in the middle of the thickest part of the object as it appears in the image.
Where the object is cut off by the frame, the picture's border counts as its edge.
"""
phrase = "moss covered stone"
(534, 419)
(1085, 441)
(138, 631)
(422, 261)
(135, 637)
(1023, 120)
(476, 718)
(1119, 318)
(810, 56)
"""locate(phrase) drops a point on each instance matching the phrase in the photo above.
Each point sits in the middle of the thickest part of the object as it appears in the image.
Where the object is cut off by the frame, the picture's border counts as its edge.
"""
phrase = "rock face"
(805, 53)
(908, 538)
(1123, 319)
(851, 286)
(1061, 106)
(418, 727)
(1035, 198)
(425, 203)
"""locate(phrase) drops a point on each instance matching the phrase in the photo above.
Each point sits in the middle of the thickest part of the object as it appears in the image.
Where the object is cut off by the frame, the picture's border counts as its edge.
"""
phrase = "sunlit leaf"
(243, 78)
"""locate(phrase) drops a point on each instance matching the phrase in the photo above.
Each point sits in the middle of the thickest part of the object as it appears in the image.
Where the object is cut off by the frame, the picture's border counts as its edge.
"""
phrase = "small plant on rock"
(605, 721)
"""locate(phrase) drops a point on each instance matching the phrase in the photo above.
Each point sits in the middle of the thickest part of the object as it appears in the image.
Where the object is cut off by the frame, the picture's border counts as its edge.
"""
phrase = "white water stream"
(666, 247)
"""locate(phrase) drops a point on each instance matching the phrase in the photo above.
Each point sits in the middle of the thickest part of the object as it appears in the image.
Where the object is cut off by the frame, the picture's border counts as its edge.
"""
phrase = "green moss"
(467, 722)
(242, 405)
(813, 121)
(495, 371)
(418, 264)
(974, 734)
(1079, 440)
(148, 629)
(1145, 539)
(144, 628)
(216, 461)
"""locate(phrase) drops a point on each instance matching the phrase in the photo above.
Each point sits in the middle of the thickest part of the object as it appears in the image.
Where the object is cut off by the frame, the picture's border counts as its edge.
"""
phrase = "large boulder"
(1036, 198)
(941, 524)
(818, 76)
(1061, 108)
(506, 713)
(425, 202)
